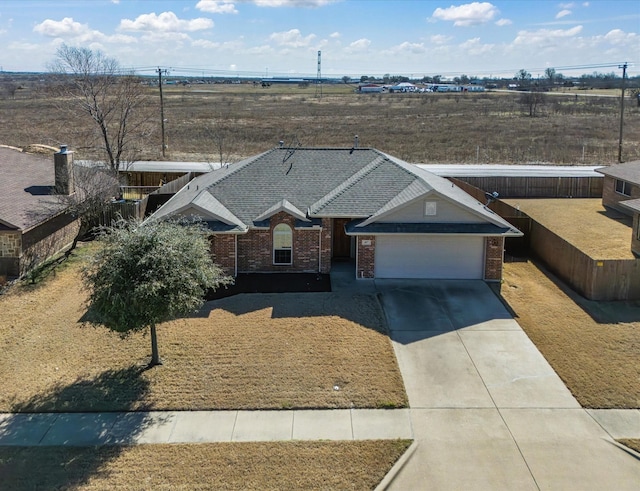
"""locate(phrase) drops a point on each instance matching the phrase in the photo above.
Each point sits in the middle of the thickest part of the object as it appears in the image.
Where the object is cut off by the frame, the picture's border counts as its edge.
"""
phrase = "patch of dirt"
(593, 346)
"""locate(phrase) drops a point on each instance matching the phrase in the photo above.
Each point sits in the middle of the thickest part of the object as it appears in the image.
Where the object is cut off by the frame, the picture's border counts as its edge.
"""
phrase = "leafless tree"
(10, 88)
(111, 98)
(219, 132)
(532, 99)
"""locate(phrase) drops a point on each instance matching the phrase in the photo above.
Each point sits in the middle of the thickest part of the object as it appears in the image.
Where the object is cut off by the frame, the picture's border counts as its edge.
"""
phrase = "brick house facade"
(297, 210)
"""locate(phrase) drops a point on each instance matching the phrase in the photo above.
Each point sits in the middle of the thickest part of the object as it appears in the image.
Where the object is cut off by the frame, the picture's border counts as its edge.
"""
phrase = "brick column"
(223, 251)
(494, 256)
(366, 245)
(325, 245)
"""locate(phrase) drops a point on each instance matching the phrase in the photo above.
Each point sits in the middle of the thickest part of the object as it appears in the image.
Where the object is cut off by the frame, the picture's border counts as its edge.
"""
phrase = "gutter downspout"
(235, 259)
(320, 250)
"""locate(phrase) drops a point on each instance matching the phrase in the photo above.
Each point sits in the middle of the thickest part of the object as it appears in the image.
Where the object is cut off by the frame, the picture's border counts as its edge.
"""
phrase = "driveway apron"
(488, 411)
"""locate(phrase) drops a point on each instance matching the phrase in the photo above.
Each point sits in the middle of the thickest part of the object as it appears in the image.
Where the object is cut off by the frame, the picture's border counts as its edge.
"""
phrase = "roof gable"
(285, 206)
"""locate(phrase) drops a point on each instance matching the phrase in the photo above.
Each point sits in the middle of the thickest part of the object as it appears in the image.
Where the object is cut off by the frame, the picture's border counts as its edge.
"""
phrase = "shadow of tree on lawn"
(48, 443)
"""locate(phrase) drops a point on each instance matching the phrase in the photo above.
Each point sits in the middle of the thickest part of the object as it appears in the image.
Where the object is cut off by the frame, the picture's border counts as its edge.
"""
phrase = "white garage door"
(419, 256)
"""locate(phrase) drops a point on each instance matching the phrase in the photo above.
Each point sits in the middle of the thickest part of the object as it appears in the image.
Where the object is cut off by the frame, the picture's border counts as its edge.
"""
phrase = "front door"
(341, 241)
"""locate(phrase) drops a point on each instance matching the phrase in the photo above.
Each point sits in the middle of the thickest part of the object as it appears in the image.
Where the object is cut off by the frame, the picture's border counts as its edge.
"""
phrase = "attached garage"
(429, 256)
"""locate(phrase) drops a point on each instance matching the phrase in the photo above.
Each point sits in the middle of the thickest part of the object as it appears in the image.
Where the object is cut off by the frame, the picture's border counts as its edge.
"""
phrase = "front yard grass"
(229, 466)
(593, 346)
(255, 351)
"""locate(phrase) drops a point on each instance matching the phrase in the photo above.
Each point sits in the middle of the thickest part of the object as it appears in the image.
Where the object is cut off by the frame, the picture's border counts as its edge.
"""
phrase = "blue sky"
(356, 37)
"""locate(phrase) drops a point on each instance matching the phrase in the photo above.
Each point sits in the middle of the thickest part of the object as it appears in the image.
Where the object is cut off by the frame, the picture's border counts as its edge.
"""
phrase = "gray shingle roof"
(26, 181)
(629, 171)
(330, 182)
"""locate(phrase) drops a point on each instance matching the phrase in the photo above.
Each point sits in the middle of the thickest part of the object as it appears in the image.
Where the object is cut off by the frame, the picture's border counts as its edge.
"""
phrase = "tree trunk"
(155, 357)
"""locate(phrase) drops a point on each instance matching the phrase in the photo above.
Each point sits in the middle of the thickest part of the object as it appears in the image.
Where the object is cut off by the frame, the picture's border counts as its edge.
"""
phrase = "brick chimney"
(63, 161)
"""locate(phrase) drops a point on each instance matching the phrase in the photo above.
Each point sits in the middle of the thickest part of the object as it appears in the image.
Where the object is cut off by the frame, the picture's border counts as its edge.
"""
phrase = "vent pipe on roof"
(281, 143)
(355, 142)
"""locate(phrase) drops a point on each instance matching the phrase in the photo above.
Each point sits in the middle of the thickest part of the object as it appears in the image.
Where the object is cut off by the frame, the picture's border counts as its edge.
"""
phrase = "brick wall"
(327, 243)
(43, 249)
(10, 244)
(611, 198)
(223, 252)
(635, 242)
(255, 249)
(366, 256)
(494, 255)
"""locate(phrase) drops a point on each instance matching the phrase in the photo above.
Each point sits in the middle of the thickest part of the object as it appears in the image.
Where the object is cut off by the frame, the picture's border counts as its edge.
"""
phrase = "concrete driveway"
(488, 411)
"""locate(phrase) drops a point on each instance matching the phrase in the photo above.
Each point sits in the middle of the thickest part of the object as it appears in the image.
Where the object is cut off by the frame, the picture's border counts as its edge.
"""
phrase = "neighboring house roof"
(26, 182)
(631, 204)
(309, 183)
(629, 171)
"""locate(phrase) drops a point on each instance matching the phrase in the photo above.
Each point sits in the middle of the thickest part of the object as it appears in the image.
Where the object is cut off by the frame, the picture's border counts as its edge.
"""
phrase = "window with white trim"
(623, 187)
(282, 244)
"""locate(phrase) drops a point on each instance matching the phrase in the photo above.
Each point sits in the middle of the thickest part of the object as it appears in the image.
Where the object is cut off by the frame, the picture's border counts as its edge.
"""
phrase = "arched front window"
(282, 244)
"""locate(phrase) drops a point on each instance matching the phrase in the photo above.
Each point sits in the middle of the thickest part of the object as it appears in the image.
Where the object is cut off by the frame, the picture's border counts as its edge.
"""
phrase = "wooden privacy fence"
(538, 187)
(123, 209)
(595, 279)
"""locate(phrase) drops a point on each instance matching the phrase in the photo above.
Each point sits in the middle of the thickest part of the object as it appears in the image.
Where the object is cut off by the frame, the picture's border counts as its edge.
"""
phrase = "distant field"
(573, 127)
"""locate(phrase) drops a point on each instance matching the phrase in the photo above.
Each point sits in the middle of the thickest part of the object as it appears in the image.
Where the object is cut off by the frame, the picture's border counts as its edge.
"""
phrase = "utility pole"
(160, 72)
(624, 75)
(319, 76)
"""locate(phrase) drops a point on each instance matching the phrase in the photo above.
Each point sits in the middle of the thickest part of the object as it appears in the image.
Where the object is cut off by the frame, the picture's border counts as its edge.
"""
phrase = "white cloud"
(619, 37)
(359, 45)
(165, 22)
(63, 28)
(440, 39)
(503, 22)
(475, 48)
(292, 38)
(545, 37)
(67, 28)
(568, 5)
(290, 3)
(217, 6)
(204, 43)
(469, 14)
(115, 1)
(334, 35)
(563, 13)
(407, 47)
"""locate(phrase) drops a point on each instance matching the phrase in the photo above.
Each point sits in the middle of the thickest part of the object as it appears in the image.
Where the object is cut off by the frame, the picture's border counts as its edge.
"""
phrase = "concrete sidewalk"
(83, 429)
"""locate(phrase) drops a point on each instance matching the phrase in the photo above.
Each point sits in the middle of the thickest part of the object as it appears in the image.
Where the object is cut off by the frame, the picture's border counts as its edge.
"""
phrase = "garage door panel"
(414, 256)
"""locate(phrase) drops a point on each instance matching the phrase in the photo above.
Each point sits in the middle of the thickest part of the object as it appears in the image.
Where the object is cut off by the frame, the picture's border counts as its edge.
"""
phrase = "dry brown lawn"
(244, 352)
(583, 222)
(593, 346)
(356, 465)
